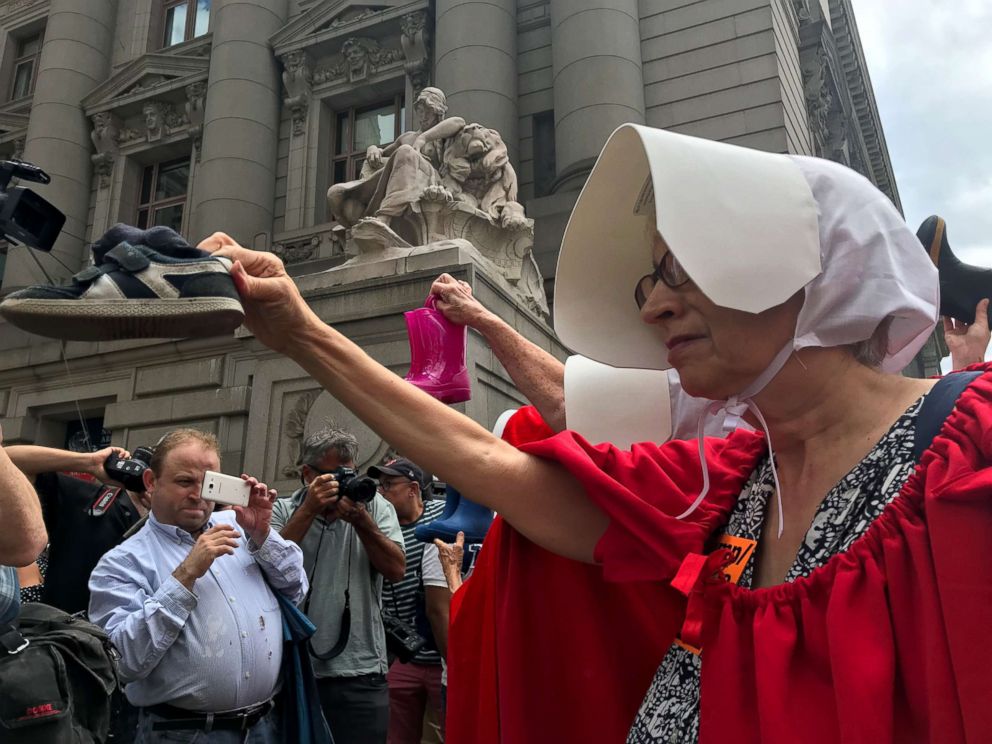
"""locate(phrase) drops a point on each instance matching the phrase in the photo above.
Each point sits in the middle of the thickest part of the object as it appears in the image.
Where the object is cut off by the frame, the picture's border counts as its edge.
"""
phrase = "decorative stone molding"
(344, 19)
(297, 251)
(105, 136)
(415, 43)
(298, 80)
(295, 429)
(17, 5)
(319, 242)
(360, 56)
(160, 119)
(19, 145)
(819, 99)
(196, 96)
(157, 98)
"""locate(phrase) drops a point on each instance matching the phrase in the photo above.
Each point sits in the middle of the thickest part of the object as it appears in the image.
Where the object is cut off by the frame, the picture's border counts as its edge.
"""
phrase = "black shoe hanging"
(962, 286)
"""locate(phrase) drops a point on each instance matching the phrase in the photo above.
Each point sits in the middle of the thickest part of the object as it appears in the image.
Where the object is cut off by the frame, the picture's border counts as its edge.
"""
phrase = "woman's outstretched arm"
(539, 498)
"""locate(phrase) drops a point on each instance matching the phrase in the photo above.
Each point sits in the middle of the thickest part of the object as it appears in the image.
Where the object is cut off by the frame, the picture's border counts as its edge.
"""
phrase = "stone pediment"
(328, 22)
(149, 76)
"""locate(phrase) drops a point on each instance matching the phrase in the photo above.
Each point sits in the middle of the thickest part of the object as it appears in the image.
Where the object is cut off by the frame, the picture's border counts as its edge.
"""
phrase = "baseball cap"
(403, 468)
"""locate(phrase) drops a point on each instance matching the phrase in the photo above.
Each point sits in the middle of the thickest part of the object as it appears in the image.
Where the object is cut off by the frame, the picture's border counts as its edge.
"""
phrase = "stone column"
(75, 58)
(476, 63)
(598, 79)
(234, 188)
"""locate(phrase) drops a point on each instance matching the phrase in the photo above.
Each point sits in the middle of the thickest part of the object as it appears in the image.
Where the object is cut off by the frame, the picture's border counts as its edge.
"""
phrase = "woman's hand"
(454, 298)
(275, 311)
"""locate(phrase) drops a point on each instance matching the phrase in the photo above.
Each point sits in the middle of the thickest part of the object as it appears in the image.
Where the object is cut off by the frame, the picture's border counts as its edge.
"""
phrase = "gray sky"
(930, 63)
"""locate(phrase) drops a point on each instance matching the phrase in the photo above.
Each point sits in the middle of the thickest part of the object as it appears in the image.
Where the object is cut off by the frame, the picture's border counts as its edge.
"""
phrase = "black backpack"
(57, 673)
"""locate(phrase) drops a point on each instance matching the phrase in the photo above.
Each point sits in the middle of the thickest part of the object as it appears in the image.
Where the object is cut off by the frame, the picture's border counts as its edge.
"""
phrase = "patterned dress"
(670, 711)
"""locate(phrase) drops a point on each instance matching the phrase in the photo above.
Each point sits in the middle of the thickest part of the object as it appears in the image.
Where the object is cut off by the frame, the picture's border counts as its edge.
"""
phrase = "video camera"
(24, 216)
(129, 473)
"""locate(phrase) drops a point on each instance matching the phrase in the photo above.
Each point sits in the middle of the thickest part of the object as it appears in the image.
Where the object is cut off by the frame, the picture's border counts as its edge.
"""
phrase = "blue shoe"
(459, 515)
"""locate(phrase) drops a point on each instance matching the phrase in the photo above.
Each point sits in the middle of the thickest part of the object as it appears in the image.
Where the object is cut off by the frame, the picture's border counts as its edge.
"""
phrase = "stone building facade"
(237, 115)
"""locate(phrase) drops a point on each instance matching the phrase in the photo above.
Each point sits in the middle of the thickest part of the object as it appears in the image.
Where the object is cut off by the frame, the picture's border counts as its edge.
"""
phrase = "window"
(163, 195)
(545, 161)
(356, 129)
(89, 439)
(25, 66)
(185, 20)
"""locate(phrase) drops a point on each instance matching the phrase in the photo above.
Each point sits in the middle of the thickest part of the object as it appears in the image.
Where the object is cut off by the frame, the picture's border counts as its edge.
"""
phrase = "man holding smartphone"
(189, 603)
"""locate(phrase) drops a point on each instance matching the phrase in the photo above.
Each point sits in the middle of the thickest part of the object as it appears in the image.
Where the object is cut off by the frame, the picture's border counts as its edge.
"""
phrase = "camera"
(129, 472)
(24, 216)
(358, 488)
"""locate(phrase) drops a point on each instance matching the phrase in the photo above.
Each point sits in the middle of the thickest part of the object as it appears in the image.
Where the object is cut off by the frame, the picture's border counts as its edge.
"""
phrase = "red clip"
(693, 575)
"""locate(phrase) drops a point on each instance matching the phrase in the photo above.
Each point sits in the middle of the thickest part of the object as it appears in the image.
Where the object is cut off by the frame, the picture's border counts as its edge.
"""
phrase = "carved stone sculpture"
(818, 97)
(360, 56)
(196, 95)
(447, 180)
(297, 79)
(414, 42)
(154, 113)
(105, 139)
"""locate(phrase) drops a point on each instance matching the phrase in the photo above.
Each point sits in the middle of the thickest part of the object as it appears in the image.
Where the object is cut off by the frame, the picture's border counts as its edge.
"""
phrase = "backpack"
(57, 673)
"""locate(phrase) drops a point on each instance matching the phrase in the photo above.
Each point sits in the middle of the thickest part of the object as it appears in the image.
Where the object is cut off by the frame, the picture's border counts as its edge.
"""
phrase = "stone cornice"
(314, 27)
(119, 91)
(20, 12)
(13, 122)
(852, 59)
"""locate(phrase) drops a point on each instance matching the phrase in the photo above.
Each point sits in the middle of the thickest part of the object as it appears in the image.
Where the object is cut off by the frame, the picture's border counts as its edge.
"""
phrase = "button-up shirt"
(214, 649)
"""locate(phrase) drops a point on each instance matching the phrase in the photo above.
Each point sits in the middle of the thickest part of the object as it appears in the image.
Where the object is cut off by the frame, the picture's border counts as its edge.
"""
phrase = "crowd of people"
(814, 575)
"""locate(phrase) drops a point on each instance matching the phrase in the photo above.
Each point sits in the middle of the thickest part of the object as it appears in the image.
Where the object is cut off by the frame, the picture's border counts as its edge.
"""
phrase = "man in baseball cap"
(414, 686)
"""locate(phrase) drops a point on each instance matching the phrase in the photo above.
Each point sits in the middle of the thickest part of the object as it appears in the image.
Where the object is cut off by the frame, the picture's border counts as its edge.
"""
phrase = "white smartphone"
(225, 489)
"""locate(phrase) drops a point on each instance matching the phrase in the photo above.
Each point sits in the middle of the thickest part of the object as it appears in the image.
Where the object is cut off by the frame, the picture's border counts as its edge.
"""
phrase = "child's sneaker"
(134, 292)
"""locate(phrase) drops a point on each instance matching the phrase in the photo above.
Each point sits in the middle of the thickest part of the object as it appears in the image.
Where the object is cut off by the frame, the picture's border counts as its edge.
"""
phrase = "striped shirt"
(400, 598)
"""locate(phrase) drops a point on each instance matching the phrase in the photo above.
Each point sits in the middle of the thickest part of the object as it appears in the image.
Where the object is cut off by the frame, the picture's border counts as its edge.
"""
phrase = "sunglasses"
(668, 271)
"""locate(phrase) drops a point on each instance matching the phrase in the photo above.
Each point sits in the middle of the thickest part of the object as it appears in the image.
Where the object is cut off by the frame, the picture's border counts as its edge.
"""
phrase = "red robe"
(883, 644)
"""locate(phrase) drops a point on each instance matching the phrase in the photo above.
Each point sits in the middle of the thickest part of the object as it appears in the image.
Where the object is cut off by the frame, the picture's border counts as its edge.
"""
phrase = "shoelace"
(723, 409)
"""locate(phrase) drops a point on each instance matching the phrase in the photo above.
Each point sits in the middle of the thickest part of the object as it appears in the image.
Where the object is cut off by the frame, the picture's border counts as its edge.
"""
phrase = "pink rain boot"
(437, 354)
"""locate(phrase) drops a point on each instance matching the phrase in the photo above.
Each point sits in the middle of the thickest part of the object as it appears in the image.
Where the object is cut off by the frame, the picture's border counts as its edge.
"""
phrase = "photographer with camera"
(351, 539)
(87, 511)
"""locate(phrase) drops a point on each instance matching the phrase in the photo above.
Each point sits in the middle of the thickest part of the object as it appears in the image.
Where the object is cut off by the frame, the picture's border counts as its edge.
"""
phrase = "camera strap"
(345, 630)
(103, 501)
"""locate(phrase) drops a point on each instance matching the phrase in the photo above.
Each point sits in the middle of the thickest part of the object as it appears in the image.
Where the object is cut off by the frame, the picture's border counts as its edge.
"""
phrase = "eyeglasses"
(669, 271)
(386, 485)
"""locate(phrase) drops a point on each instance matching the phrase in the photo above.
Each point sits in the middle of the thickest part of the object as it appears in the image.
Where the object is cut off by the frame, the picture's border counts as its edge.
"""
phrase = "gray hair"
(871, 352)
(342, 443)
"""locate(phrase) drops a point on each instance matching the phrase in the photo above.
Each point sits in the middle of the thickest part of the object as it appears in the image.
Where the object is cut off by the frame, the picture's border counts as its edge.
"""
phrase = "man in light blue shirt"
(188, 602)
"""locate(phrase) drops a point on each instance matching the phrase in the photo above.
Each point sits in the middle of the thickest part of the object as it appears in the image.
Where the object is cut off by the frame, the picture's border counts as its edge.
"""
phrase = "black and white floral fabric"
(670, 711)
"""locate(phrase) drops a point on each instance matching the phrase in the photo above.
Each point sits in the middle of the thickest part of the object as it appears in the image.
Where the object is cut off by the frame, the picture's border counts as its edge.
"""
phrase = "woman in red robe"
(814, 580)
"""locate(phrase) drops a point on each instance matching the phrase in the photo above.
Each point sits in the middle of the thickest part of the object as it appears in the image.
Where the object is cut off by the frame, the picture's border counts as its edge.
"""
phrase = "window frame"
(353, 159)
(153, 204)
(189, 31)
(22, 59)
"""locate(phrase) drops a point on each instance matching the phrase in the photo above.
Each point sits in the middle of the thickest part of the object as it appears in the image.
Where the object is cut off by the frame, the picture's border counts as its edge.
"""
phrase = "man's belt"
(179, 719)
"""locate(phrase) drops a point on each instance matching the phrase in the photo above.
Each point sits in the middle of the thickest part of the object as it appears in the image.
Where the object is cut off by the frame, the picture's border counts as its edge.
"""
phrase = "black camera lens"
(356, 487)
(143, 454)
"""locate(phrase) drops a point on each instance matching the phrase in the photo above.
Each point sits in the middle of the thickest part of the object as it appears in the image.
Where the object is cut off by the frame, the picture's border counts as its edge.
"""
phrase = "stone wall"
(712, 69)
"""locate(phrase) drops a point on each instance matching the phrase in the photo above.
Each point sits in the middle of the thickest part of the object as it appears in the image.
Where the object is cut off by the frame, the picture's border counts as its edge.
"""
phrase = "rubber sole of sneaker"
(112, 320)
